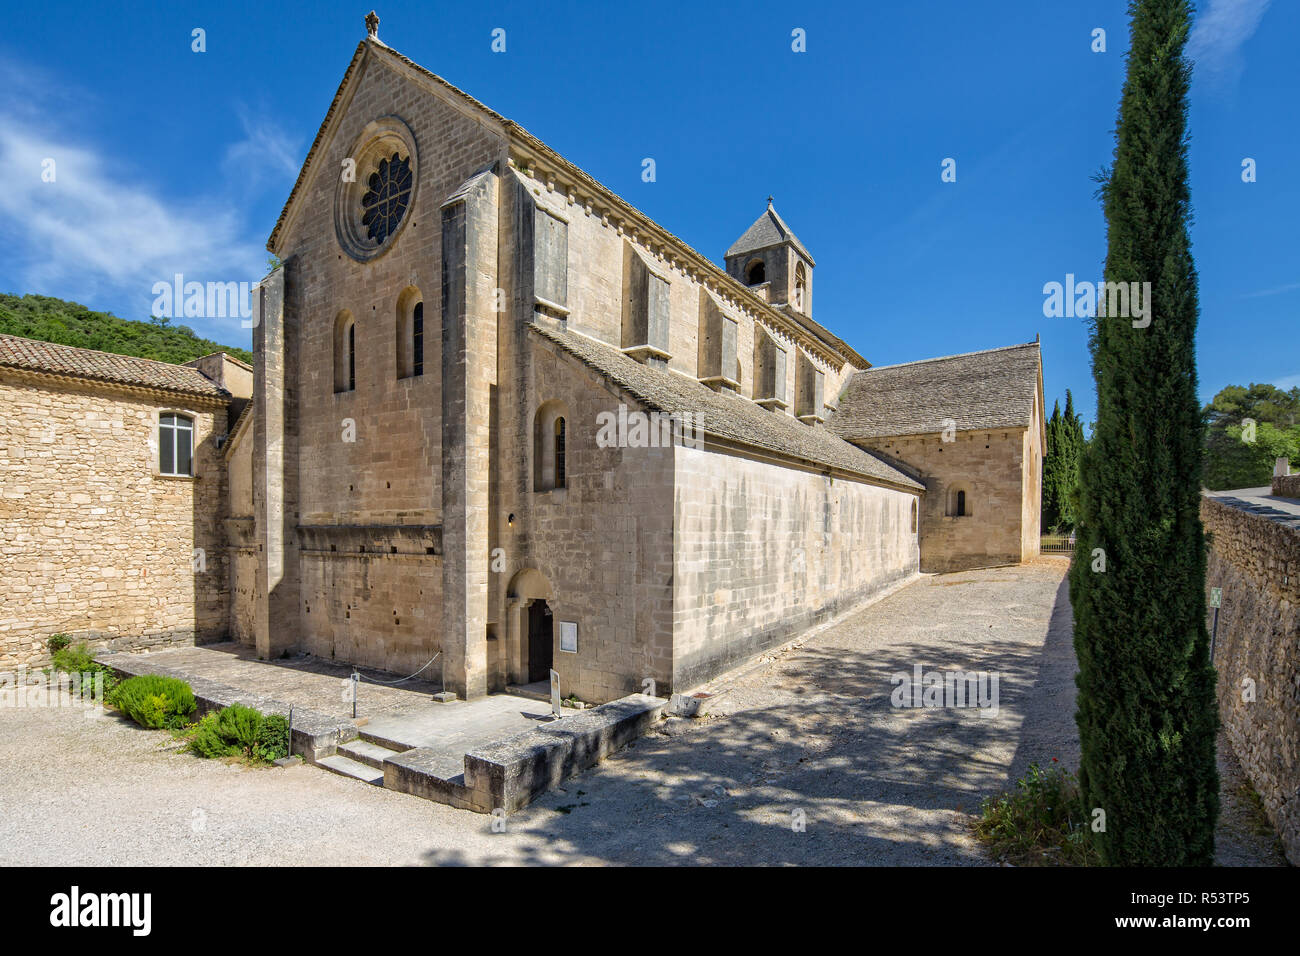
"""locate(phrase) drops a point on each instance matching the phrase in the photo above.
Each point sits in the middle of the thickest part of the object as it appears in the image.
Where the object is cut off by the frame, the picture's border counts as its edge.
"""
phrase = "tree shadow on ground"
(875, 784)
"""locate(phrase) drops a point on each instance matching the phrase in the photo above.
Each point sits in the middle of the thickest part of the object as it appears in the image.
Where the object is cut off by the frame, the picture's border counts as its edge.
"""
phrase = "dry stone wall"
(1256, 561)
(1286, 486)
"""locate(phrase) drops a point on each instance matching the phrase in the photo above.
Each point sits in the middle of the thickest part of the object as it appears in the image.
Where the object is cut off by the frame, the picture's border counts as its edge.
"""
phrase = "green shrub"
(273, 738)
(1042, 823)
(208, 740)
(237, 731)
(154, 701)
(79, 661)
(74, 660)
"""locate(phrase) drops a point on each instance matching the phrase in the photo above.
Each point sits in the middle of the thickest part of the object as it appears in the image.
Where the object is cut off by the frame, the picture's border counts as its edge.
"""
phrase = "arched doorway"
(530, 628)
(541, 640)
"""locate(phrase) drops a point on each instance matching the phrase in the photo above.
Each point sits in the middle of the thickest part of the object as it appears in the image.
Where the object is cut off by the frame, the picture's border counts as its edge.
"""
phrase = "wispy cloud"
(265, 154)
(101, 232)
(1278, 290)
(1218, 35)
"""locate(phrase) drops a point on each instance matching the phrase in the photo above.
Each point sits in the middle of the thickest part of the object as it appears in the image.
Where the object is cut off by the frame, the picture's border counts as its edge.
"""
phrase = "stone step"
(366, 752)
(379, 740)
(541, 690)
(352, 768)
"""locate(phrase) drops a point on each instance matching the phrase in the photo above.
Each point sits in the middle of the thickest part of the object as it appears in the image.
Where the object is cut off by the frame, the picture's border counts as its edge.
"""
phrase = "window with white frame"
(175, 444)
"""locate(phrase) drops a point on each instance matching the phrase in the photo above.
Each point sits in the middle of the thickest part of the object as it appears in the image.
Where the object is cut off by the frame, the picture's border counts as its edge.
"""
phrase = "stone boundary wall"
(1257, 563)
(1286, 486)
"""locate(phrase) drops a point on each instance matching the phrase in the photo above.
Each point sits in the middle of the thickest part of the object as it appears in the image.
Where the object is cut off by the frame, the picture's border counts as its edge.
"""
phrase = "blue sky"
(174, 161)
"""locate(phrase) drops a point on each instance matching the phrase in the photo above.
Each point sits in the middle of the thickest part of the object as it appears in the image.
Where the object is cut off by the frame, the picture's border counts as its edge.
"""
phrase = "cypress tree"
(1146, 704)
(1073, 424)
(1070, 436)
(1051, 470)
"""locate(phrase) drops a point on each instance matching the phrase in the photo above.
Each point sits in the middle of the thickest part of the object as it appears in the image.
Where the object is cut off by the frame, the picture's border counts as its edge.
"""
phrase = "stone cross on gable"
(372, 25)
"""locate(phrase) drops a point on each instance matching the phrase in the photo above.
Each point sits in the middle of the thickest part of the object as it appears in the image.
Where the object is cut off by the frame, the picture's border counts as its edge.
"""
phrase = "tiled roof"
(977, 390)
(768, 229)
(726, 416)
(33, 356)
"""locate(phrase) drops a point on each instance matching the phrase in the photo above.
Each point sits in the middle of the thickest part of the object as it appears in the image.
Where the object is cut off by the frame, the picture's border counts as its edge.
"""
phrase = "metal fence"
(1056, 544)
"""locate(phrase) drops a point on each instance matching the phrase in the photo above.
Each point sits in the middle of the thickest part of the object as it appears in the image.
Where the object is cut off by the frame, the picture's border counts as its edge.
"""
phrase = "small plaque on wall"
(569, 636)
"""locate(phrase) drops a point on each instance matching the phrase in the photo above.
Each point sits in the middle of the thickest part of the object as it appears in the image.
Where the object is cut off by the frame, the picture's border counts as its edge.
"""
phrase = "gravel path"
(808, 732)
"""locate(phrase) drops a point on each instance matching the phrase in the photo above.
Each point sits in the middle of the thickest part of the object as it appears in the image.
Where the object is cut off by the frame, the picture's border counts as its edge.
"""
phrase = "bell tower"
(771, 260)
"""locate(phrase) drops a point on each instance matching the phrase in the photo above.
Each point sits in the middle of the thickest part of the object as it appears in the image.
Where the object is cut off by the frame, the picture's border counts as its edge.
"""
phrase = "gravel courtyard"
(805, 734)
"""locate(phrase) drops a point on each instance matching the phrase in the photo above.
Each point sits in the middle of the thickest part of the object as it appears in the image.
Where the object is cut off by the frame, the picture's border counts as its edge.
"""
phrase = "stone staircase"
(507, 774)
(362, 758)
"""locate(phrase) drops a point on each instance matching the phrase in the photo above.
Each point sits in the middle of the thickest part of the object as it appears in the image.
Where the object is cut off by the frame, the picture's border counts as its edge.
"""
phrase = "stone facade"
(418, 469)
(379, 496)
(1256, 561)
(999, 475)
(761, 553)
(97, 543)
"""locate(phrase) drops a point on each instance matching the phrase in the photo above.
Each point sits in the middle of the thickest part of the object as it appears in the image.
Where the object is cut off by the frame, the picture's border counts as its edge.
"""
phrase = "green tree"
(1051, 521)
(1146, 704)
(1262, 402)
(1061, 467)
(1238, 456)
(69, 323)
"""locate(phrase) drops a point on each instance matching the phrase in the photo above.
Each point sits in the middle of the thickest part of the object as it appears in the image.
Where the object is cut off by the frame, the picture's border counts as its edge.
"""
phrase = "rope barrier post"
(356, 682)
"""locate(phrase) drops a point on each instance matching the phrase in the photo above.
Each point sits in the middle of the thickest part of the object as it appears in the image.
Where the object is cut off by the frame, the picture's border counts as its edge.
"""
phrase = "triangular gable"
(368, 51)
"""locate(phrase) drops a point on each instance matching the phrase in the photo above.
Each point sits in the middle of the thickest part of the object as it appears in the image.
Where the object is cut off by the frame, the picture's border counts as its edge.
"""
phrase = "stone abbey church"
(499, 416)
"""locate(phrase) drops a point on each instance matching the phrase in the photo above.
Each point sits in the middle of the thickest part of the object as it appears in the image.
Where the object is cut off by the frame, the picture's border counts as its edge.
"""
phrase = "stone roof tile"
(976, 390)
(47, 357)
(767, 230)
(725, 416)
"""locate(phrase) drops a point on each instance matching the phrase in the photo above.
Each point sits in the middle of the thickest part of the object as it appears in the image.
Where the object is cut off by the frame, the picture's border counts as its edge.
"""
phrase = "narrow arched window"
(559, 453)
(408, 331)
(345, 352)
(175, 444)
(800, 287)
(756, 272)
(550, 458)
(417, 340)
(961, 504)
(352, 357)
(913, 516)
